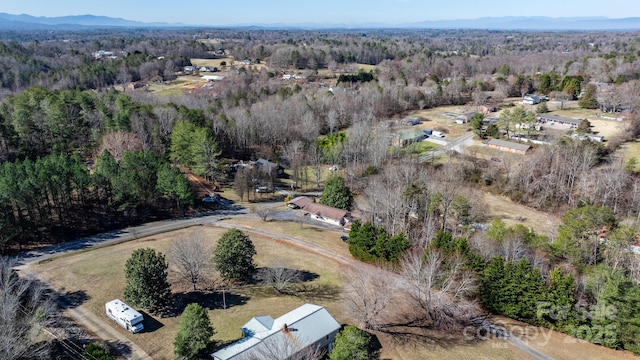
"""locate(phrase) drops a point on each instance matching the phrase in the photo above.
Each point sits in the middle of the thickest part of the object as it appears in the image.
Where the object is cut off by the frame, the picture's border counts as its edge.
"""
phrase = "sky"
(248, 12)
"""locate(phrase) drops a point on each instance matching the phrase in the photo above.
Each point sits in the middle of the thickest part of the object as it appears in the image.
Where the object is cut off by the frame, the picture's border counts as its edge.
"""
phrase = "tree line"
(56, 196)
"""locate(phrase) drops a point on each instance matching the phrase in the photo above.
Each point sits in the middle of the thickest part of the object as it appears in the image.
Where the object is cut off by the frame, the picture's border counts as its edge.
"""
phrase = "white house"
(212, 77)
(530, 99)
(307, 326)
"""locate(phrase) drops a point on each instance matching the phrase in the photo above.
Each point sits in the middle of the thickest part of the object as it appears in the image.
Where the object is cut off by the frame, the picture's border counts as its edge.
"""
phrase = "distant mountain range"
(24, 22)
(28, 22)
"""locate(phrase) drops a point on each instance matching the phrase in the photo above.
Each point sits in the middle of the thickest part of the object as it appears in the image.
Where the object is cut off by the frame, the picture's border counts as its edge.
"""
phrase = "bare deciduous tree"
(440, 286)
(118, 142)
(368, 295)
(284, 346)
(190, 258)
(279, 278)
(25, 311)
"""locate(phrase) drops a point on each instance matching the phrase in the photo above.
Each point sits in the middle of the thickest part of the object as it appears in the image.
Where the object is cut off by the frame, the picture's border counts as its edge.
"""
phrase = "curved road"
(105, 330)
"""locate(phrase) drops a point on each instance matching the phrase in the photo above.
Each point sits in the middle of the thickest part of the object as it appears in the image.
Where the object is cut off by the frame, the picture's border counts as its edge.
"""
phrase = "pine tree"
(352, 344)
(194, 332)
(336, 194)
(233, 256)
(146, 280)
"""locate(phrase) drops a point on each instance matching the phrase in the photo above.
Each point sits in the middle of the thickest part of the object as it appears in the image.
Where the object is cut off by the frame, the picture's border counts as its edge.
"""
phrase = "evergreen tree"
(173, 185)
(617, 312)
(584, 127)
(146, 279)
(477, 124)
(578, 234)
(233, 256)
(95, 351)
(542, 108)
(352, 344)
(560, 297)
(493, 284)
(136, 180)
(336, 194)
(194, 332)
(369, 243)
(588, 99)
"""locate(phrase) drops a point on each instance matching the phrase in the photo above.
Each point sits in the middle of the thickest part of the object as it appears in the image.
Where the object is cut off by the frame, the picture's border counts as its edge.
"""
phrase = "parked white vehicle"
(124, 315)
(437, 134)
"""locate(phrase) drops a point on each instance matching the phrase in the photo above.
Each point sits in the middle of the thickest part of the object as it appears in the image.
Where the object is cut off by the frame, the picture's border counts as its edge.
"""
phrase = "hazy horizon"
(391, 12)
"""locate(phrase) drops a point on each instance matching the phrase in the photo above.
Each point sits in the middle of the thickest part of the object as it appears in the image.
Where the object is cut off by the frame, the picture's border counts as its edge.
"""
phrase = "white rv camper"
(124, 315)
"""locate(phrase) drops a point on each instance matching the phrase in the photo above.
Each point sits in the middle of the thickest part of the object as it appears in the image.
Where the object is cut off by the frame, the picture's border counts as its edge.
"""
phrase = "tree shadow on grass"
(71, 299)
(118, 347)
(208, 299)
(317, 292)
(418, 333)
(150, 323)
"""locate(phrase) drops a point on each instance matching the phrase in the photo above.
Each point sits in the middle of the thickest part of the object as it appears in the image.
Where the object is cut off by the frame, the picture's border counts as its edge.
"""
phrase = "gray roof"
(560, 119)
(266, 165)
(305, 326)
(509, 144)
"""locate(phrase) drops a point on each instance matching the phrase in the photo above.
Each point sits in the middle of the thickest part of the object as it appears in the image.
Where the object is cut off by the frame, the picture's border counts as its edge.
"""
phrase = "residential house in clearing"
(320, 212)
(465, 118)
(212, 77)
(548, 118)
(530, 99)
(269, 167)
(509, 146)
(487, 109)
(408, 138)
(289, 335)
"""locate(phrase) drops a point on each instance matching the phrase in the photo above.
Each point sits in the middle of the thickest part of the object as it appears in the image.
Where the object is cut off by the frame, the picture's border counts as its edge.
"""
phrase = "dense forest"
(80, 153)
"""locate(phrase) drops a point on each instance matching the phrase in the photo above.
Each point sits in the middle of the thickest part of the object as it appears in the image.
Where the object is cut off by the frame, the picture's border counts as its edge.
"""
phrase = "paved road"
(455, 144)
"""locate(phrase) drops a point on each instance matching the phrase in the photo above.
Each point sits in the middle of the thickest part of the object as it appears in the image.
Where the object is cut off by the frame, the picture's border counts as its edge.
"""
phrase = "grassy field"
(366, 67)
(628, 151)
(98, 276)
(507, 210)
(212, 62)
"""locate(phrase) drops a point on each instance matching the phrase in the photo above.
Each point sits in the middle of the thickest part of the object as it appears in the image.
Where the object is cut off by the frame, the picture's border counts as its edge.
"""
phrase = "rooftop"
(509, 145)
(296, 329)
(560, 119)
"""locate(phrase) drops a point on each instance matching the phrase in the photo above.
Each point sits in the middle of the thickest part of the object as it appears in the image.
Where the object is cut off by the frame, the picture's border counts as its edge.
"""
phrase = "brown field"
(507, 210)
(366, 67)
(212, 62)
(628, 151)
(176, 87)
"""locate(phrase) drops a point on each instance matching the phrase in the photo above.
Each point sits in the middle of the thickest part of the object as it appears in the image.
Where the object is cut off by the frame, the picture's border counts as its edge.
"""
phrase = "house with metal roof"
(509, 146)
(285, 337)
(545, 118)
(408, 138)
